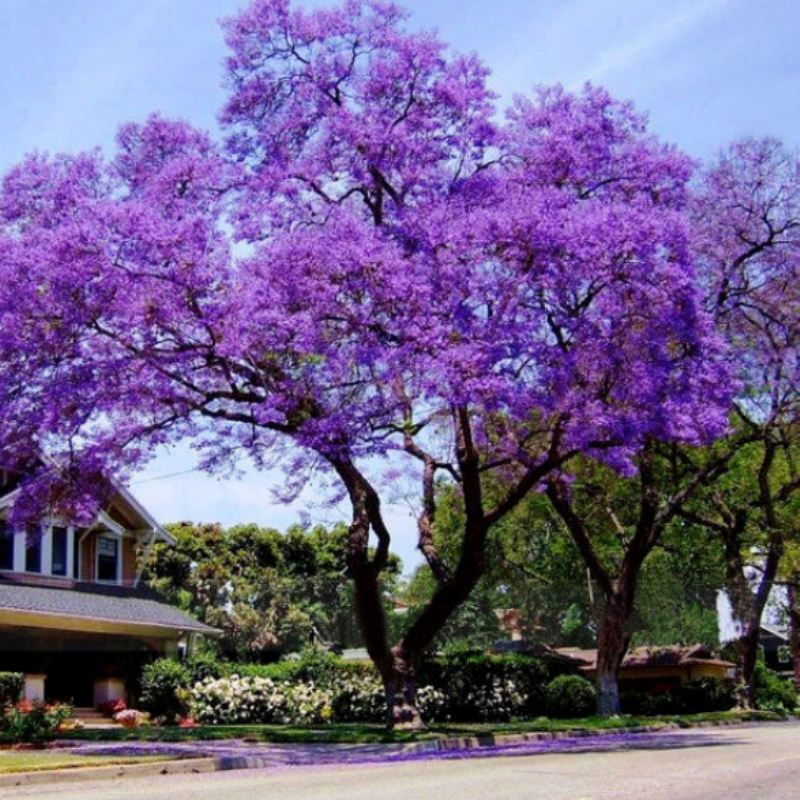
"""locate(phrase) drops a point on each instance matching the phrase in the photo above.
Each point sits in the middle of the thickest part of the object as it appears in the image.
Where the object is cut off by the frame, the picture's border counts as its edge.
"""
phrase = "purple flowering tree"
(746, 217)
(410, 283)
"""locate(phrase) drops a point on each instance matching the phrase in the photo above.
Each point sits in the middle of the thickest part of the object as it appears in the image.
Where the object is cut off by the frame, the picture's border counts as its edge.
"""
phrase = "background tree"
(535, 568)
(419, 284)
(270, 593)
(747, 220)
(616, 525)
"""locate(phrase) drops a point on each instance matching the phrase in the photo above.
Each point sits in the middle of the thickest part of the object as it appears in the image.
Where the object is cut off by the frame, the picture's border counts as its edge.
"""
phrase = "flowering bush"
(129, 718)
(487, 688)
(464, 688)
(33, 721)
(358, 698)
(243, 700)
(111, 707)
(250, 700)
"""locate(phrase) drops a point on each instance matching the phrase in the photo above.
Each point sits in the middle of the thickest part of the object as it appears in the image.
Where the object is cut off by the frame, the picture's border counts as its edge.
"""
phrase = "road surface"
(749, 763)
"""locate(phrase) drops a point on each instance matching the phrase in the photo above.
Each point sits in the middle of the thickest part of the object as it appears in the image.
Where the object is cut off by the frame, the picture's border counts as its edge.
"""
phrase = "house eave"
(86, 624)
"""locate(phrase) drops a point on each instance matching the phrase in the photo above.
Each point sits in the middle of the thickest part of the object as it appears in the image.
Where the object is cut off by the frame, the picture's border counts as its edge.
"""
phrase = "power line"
(164, 477)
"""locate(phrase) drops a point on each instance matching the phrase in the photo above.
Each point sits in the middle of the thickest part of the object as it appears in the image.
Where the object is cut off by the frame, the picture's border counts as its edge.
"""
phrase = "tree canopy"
(370, 266)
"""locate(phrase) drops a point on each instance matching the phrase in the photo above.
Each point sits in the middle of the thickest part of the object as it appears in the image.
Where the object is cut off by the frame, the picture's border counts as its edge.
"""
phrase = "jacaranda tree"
(370, 269)
(746, 214)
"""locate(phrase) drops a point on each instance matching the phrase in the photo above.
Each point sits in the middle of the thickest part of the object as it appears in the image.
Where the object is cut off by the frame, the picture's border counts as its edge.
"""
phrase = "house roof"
(91, 606)
(123, 506)
(540, 651)
(652, 657)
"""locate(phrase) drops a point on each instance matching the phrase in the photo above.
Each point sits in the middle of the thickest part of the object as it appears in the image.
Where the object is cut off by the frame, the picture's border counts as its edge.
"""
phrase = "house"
(74, 615)
(775, 645)
(658, 669)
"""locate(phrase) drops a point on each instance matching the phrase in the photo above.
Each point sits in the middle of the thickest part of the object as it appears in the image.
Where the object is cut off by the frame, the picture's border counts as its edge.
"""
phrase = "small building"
(74, 615)
(658, 669)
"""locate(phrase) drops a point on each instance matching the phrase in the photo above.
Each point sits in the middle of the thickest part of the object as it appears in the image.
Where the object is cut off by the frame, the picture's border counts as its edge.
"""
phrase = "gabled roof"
(71, 605)
(132, 509)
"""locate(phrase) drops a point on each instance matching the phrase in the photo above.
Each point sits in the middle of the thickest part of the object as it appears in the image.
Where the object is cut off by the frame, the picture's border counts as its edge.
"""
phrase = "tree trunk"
(747, 657)
(400, 684)
(612, 642)
(794, 629)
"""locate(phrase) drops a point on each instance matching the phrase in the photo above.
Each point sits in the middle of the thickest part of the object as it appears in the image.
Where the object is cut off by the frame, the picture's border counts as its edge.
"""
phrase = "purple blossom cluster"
(372, 265)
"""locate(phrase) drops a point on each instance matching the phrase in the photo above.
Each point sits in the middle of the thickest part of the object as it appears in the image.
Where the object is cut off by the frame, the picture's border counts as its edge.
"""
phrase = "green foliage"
(204, 664)
(11, 685)
(534, 567)
(484, 687)
(270, 593)
(677, 590)
(165, 690)
(704, 696)
(32, 722)
(570, 696)
(322, 688)
(773, 693)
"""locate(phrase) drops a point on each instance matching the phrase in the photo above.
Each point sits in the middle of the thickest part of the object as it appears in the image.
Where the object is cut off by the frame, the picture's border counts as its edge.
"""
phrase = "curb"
(508, 739)
(76, 774)
(230, 763)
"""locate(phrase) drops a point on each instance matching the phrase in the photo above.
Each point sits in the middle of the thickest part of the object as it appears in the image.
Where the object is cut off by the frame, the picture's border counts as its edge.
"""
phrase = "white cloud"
(654, 37)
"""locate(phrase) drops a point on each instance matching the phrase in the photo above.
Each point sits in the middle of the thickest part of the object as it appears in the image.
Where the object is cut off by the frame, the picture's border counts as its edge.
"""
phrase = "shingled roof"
(137, 607)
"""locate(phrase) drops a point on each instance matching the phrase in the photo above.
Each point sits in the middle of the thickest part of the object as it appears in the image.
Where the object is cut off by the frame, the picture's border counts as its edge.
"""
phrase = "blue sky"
(706, 71)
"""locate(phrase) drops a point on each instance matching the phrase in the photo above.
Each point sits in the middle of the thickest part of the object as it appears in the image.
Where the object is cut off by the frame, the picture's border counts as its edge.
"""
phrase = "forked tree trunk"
(398, 665)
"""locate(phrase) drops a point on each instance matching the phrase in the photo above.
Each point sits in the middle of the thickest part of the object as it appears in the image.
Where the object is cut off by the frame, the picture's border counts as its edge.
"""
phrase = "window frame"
(118, 545)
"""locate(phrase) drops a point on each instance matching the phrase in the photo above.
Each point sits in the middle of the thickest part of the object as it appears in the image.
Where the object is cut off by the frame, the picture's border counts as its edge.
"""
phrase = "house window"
(6, 546)
(33, 549)
(59, 551)
(107, 559)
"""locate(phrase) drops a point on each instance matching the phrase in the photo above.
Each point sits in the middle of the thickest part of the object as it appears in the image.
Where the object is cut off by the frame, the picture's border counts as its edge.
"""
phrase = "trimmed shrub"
(570, 697)
(166, 690)
(696, 697)
(11, 685)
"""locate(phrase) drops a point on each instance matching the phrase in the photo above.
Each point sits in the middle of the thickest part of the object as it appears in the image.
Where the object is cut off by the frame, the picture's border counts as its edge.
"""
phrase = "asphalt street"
(749, 763)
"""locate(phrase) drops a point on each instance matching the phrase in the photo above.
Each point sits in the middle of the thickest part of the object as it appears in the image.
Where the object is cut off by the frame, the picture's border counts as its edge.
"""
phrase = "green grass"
(373, 734)
(38, 760)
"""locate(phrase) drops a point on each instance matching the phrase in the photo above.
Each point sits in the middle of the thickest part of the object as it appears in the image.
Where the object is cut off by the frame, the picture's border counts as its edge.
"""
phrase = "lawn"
(372, 734)
(37, 760)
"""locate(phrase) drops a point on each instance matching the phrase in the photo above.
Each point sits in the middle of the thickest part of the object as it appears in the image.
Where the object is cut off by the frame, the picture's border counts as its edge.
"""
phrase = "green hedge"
(464, 687)
(166, 686)
(11, 685)
(696, 697)
(487, 687)
(570, 697)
